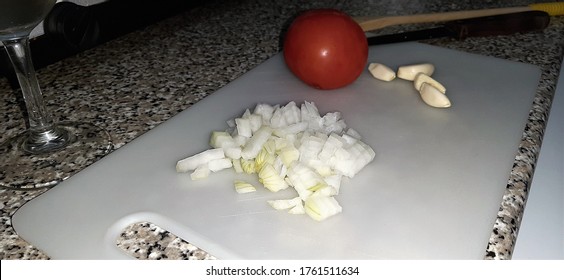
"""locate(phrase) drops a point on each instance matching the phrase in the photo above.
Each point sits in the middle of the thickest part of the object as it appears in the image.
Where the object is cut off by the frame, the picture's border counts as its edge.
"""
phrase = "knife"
(504, 24)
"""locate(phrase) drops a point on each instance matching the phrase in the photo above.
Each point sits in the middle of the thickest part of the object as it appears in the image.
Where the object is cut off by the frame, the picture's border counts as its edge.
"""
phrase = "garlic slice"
(408, 72)
(381, 72)
(433, 97)
(424, 78)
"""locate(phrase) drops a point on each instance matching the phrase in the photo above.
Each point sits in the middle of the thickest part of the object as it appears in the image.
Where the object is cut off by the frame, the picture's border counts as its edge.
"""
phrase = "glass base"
(22, 170)
(46, 142)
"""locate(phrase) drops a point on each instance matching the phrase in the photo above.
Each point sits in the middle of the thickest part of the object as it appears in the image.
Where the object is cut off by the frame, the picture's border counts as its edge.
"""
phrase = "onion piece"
(237, 165)
(299, 209)
(243, 127)
(265, 111)
(201, 172)
(192, 162)
(310, 114)
(283, 204)
(254, 145)
(304, 179)
(322, 207)
(248, 166)
(219, 164)
(334, 181)
(255, 122)
(288, 155)
(243, 187)
(271, 179)
(264, 158)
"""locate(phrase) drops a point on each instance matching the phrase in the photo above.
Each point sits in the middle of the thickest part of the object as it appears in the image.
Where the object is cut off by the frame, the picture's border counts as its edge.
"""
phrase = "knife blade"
(504, 24)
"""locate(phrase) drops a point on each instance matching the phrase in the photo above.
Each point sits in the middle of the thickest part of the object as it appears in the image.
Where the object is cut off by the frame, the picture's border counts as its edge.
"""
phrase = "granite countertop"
(135, 82)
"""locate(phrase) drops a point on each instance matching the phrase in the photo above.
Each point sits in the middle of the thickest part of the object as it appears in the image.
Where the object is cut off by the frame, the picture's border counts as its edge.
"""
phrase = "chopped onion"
(271, 179)
(288, 147)
(291, 129)
(237, 165)
(222, 139)
(232, 152)
(240, 140)
(254, 145)
(256, 122)
(244, 127)
(265, 111)
(298, 209)
(199, 159)
(248, 166)
(219, 164)
(201, 172)
(282, 204)
(334, 181)
(243, 187)
(320, 207)
(264, 158)
(304, 180)
(289, 154)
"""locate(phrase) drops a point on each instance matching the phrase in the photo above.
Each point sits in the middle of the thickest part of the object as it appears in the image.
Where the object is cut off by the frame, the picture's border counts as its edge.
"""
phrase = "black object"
(76, 27)
(504, 24)
(71, 28)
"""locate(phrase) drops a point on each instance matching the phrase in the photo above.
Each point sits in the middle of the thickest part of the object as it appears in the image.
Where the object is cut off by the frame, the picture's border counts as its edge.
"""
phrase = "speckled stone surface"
(136, 82)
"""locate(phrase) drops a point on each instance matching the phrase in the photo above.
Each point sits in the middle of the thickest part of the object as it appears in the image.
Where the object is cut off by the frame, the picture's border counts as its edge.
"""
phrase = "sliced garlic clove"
(408, 72)
(381, 72)
(433, 97)
(424, 78)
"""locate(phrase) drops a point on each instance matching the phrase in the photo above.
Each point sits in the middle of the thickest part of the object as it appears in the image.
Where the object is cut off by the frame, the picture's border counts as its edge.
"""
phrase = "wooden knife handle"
(373, 23)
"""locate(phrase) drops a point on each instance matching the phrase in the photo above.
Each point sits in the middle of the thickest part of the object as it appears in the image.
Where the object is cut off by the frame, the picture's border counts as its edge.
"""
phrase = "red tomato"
(325, 48)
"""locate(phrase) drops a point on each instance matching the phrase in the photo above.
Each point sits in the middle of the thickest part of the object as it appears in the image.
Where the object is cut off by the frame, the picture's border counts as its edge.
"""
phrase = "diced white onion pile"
(287, 147)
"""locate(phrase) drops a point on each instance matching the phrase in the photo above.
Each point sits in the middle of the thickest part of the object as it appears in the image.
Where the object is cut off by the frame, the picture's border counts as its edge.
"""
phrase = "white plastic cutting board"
(432, 192)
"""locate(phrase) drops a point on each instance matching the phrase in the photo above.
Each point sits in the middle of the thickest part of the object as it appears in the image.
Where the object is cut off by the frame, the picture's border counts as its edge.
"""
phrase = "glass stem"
(43, 135)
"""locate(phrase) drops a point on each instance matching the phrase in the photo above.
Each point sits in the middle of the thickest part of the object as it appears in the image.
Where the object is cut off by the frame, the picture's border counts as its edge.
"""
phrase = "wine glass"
(47, 152)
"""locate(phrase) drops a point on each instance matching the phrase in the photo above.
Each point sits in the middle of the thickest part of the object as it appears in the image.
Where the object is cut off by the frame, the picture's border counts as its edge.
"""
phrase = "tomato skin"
(325, 48)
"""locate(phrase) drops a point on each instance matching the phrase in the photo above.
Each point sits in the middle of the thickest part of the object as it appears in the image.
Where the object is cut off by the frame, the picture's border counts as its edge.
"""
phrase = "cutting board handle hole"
(147, 241)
